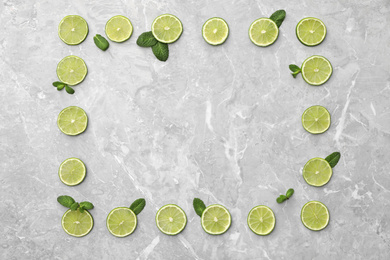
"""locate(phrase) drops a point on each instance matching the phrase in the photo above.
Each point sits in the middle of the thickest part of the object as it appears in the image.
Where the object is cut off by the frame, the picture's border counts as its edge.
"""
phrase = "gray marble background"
(218, 123)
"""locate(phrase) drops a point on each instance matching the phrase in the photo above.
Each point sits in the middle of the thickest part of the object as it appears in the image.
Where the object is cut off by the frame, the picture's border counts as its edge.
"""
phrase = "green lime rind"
(311, 227)
(77, 216)
(226, 228)
(304, 73)
(223, 39)
(63, 33)
(61, 175)
(110, 226)
(317, 177)
(258, 42)
(319, 130)
(251, 226)
(301, 40)
(182, 213)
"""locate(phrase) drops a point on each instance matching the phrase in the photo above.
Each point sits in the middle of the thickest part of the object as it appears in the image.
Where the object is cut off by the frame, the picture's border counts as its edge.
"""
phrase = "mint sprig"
(278, 17)
(60, 85)
(295, 70)
(69, 202)
(160, 49)
(283, 198)
(138, 205)
(101, 42)
(65, 201)
(199, 206)
(333, 159)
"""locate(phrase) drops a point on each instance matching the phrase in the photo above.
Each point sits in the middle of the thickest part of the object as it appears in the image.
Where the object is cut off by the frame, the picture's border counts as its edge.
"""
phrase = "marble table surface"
(219, 123)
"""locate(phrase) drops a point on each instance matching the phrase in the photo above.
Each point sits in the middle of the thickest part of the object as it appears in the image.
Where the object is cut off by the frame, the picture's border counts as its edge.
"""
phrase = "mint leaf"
(69, 89)
(289, 193)
(333, 159)
(146, 39)
(81, 209)
(61, 87)
(137, 206)
(86, 205)
(295, 70)
(65, 201)
(281, 198)
(101, 42)
(74, 206)
(278, 17)
(161, 51)
(199, 206)
(58, 84)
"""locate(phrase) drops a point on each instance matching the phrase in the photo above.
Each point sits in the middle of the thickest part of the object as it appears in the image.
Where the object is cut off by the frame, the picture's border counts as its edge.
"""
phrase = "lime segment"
(311, 31)
(315, 215)
(261, 220)
(77, 224)
(316, 70)
(119, 28)
(216, 219)
(317, 172)
(215, 31)
(71, 70)
(72, 171)
(316, 119)
(263, 32)
(167, 28)
(72, 120)
(121, 222)
(73, 29)
(171, 219)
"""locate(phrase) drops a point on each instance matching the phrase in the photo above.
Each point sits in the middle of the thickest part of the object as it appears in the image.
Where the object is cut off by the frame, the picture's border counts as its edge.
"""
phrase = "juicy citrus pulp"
(121, 222)
(167, 28)
(315, 215)
(316, 70)
(263, 32)
(171, 219)
(316, 119)
(72, 120)
(261, 220)
(71, 70)
(73, 29)
(77, 224)
(311, 31)
(119, 28)
(317, 172)
(72, 171)
(216, 219)
(215, 31)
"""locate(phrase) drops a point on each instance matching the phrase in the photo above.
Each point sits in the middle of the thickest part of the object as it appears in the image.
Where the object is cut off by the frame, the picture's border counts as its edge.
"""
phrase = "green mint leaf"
(60, 87)
(138, 205)
(86, 205)
(81, 209)
(161, 51)
(289, 193)
(199, 206)
(69, 89)
(101, 42)
(281, 198)
(58, 83)
(278, 17)
(333, 159)
(74, 206)
(65, 201)
(295, 70)
(146, 39)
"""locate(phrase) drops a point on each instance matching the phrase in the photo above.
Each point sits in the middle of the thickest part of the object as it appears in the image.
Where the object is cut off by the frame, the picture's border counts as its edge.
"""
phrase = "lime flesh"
(171, 219)
(261, 220)
(215, 31)
(316, 119)
(216, 219)
(167, 28)
(77, 224)
(72, 70)
(72, 171)
(317, 172)
(263, 32)
(316, 70)
(315, 215)
(311, 31)
(121, 222)
(119, 28)
(72, 120)
(73, 29)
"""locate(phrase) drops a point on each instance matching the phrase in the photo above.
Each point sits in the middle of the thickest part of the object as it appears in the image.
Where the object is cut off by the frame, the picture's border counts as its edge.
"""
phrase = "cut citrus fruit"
(73, 29)
(167, 28)
(311, 31)
(72, 120)
(77, 224)
(171, 219)
(216, 219)
(263, 32)
(315, 215)
(316, 119)
(71, 70)
(317, 172)
(121, 222)
(261, 220)
(316, 70)
(215, 31)
(119, 28)
(72, 171)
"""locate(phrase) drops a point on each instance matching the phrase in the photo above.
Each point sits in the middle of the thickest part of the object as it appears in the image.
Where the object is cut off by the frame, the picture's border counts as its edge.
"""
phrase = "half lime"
(119, 28)
(77, 224)
(171, 219)
(316, 70)
(263, 32)
(317, 172)
(316, 119)
(215, 31)
(261, 220)
(311, 31)
(121, 222)
(72, 171)
(167, 28)
(73, 29)
(216, 219)
(72, 120)
(315, 215)
(72, 70)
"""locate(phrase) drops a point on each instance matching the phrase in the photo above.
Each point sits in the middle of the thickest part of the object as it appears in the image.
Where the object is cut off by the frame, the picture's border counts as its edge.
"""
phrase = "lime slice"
(121, 222)
(263, 32)
(216, 219)
(171, 219)
(261, 220)
(215, 31)
(119, 28)
(317, 172)
(73, 29)
(315, 215)
(71, 70)
(316, 119)
(167, 28)
(316, 70)
(77, 224)
(311, 31)
(72, 171)
(72, 120)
